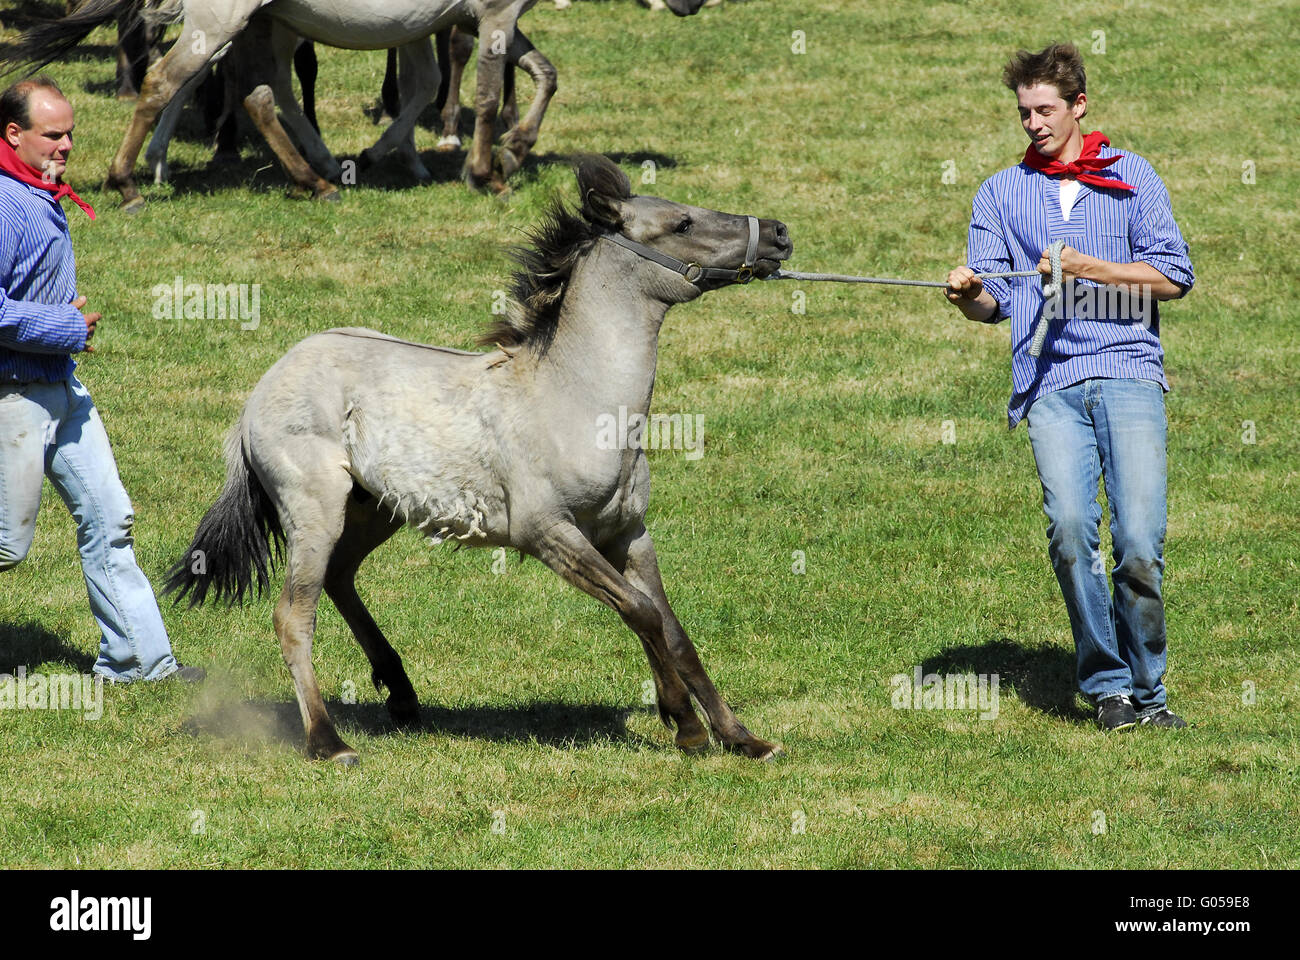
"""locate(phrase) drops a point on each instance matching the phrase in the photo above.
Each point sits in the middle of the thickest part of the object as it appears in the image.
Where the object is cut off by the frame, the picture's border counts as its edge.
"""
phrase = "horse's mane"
(554, 247)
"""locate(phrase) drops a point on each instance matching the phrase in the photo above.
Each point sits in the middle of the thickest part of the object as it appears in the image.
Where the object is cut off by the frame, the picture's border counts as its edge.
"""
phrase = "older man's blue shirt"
(39, 329)
(1016, 215)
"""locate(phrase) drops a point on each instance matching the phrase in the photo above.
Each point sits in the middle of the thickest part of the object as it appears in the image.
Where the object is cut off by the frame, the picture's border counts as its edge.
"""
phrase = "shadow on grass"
(261, 171)
(568, 725)
(1042, 677)
(28, 644)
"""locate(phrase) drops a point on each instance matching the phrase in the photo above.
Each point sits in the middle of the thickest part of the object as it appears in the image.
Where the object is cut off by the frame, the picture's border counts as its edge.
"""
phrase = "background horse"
(360, 24)
(353, 434)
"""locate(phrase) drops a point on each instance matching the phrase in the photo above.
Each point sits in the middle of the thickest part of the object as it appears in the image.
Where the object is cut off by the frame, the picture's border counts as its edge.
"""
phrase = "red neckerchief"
(1085, 168)
(26, 173)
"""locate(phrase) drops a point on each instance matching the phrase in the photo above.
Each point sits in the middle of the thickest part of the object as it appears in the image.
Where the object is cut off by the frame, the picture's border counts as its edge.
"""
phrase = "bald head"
(37, 122)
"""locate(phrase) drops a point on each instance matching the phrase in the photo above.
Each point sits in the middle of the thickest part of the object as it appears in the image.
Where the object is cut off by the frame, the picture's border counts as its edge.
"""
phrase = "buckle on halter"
(745, 274)
(699, 272)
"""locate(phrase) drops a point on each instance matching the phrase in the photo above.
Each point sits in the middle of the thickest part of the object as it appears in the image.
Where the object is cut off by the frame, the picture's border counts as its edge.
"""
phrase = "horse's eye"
(684, 226)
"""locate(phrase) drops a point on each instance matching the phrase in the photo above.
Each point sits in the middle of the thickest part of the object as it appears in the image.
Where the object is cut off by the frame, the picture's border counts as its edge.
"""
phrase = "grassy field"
(824, 434)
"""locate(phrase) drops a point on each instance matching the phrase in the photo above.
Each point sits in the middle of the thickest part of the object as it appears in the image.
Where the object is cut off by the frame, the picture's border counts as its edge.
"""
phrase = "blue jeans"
(1115, 429)
(54, 430)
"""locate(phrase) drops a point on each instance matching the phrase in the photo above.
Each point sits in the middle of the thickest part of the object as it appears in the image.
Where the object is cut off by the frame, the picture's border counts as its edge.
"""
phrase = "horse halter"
(693, 272)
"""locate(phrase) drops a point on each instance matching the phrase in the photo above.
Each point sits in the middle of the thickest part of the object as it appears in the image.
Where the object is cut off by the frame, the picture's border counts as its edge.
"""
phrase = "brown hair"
(15, 102)
(1058, 64)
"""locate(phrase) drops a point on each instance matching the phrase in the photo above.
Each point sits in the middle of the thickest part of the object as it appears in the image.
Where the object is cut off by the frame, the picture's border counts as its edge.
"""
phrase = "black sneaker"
(1163, 718)
(1116, 713)
(188, 674)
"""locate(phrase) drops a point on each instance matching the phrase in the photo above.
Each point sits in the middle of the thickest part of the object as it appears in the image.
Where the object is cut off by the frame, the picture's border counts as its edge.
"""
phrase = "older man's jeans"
(54, 430)
(1115, 429)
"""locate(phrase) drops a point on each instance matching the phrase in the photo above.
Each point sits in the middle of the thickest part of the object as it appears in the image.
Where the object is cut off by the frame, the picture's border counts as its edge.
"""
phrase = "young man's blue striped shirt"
(39, 328)
(1016, 215)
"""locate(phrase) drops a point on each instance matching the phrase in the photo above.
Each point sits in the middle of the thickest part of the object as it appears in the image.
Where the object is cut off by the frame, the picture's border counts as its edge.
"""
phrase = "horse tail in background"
(48, 40)
(239, 539)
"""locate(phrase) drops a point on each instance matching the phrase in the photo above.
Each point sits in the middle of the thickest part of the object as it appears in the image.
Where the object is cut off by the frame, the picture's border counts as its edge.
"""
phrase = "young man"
(48, 424)
(1094, 398)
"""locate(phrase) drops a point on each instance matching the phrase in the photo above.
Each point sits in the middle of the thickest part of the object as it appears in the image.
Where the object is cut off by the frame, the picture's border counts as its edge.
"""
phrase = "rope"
(845, 278)
(1051, 299)
(1052, 289)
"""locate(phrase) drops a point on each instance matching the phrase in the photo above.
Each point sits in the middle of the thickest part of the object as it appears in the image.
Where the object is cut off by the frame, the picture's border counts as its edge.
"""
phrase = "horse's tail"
(48, 40)
(239, 539)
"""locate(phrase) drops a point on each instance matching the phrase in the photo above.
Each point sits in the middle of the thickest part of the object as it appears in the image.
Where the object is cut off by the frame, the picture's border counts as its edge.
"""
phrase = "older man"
(48, 424)
(1094, 397)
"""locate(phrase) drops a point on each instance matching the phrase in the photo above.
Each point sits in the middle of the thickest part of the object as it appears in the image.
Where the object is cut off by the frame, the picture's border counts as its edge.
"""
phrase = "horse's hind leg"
(209, 29)
(312, 515)
(365, 529)
(523, 136)
(566, 551)
(417, 78)
(637, 561)
(253, 60)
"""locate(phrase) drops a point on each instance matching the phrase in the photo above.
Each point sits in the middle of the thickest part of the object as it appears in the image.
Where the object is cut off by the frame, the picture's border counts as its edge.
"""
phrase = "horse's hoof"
(405, 715)
(328, 196)
(346, 758)
(448, 145)
(693, 745)
(133, 206)
(757, 749)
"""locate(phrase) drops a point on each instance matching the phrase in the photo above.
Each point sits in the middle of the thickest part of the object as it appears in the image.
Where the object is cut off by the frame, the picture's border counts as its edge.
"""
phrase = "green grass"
(822, 435)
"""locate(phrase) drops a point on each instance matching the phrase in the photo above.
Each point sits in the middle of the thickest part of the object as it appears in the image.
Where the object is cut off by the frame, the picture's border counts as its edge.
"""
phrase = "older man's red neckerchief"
(26, 173)
(1085, 168)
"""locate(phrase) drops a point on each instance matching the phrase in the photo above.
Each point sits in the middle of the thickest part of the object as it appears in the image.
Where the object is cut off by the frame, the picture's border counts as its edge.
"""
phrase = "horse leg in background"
(364, 529)
(155, 155)
(566, 551)
(417, 77)
(132, 53)
(509, 105)
(635, 559)
(311, 509)
(254, 64)
(523, 136)
(283, 46)
(390, 103)
(306, 66)
(495, 35)
(459, 47)
(213, 30)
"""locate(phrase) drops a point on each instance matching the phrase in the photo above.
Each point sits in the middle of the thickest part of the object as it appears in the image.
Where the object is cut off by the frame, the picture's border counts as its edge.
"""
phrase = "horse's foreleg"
(566, 551)
(460, 48)
(161, 83)
(417, 78)
(155, 155)
(494, 39)
(641, 567)
(363, 531)
(523, 136)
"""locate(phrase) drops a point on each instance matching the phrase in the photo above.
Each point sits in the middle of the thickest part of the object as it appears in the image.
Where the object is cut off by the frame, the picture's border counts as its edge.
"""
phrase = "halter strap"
(693, 272)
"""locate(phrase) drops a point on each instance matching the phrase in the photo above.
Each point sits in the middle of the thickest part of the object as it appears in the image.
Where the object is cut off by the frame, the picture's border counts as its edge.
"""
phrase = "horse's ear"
(602, 186)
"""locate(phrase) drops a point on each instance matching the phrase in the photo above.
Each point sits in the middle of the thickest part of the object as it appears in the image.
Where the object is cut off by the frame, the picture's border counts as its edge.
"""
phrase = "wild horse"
(352, 434)
(356, 24)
